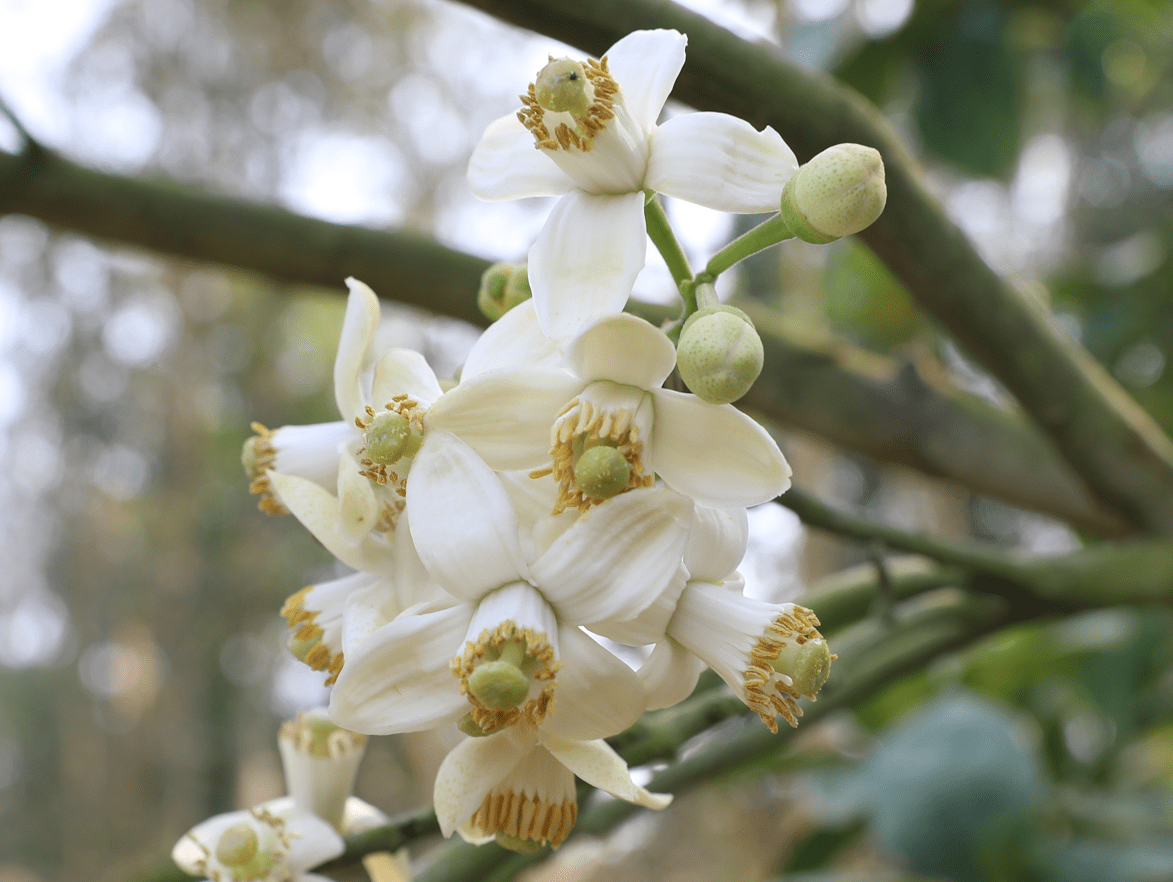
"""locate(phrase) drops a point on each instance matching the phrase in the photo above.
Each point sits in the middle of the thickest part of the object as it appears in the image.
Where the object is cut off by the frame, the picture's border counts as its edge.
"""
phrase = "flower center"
(790, 661)
(596, 447)
(306, 641)
(499, 671)
(257, 457)
(575, 98)
(241, 852)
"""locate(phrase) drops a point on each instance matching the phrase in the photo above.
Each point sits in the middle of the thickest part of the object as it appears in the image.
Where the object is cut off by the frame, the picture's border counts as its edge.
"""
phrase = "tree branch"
(1109, 440)
(821, 385)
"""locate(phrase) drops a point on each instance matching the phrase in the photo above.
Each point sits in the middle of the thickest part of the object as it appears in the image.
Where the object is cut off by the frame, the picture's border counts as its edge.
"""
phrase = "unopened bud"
(839, 192)
(561, 87)
(602, 472)
(503, 286)
(719, 354)
(388, 438)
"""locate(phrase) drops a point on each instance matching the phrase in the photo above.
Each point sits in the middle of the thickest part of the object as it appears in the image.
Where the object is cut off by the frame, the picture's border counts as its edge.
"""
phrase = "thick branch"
(825, 386)
(1109, 440)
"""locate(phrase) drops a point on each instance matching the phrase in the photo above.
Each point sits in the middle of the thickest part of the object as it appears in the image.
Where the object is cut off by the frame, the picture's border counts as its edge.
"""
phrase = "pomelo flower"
(518, 786)
(598, 146)
(499, 654)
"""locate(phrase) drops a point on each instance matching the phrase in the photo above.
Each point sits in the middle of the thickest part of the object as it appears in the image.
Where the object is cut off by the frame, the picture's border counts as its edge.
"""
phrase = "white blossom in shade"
(598, 147)
(321, 761)
(518, 786)
(770, 654)
(609, 394)
(272, 842)
(522, 603)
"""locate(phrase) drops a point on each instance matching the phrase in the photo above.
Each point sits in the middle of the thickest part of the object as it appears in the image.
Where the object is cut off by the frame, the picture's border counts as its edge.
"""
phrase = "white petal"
(602, 767)
(586, 259)
(472, 769)
(625, 349)
(597, 694)
(319, 512)
(312, 451)
(648, 627)
(461, 519)
(507, 165)
(506, 416)
(404, 372)
(514, 340)
(715, 453)
(361, 816)
(358, 329)
(311, 841)
(358, 509)
(721, 162)
(646, 64)
(398, 679)
(717, 543)
(669, 674)
(617, 558)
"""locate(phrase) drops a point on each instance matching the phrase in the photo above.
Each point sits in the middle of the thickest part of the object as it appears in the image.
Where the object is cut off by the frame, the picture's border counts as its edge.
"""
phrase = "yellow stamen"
(264, 455)
(526, 817)
(539, 654)
(794, 627)
(602, 91)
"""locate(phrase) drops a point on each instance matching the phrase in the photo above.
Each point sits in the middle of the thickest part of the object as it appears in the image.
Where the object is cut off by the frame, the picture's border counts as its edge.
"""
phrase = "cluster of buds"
(501, 528)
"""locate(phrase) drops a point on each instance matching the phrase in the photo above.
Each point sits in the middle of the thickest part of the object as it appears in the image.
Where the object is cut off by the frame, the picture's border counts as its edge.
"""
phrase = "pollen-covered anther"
(576, 99)
(258, 457)
(520, 820)
(507, 675)
(790, 661)
(582, 427)
(305, 643)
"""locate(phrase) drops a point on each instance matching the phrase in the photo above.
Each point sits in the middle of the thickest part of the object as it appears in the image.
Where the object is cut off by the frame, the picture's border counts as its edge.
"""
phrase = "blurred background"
(142, 664)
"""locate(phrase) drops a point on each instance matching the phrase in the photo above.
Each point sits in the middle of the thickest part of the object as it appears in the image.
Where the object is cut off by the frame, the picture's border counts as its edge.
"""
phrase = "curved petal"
(649, 626)
(404, 372)
(617, 558)
(473, 768)
(359, 816)
(721, 162)
(602, 767)
(398, 679)
(670, 674)
(586, 258)
(506, 416)
(311, 451)
(646, 64)
(358, 329)
(715, 453)
(319, 512)
(514, 340)
(597, 695)
(312, 841)
(461, 519)
(717, 542)
(622, 348)
(358, 509)
(506, 164)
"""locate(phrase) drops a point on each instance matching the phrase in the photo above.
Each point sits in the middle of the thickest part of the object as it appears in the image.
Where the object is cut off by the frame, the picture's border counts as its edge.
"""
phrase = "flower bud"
(561, 87)
(719, 354)
(839, 192)
(503, 286)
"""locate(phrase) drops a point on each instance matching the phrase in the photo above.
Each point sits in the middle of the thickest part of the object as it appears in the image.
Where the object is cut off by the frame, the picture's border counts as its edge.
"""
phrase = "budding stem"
(761, 237)
(664, 239)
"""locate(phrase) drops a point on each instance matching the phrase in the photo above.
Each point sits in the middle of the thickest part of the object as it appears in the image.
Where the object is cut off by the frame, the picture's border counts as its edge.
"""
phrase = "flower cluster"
(504, 529)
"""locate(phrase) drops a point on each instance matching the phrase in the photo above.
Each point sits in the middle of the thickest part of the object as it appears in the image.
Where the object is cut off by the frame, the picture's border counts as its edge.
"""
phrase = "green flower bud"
(503, 286)
(719, 354)
(388, 438)
(839, 192)
(516, 843)
(499, 685)
(237, 846)
(602, 472)
(561, 87)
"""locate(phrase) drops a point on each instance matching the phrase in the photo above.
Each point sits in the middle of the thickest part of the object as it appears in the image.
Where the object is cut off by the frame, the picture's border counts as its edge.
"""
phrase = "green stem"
(761, 237)
(665, 241)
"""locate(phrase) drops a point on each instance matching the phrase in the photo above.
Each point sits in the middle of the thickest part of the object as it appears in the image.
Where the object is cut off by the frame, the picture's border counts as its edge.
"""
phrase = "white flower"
(611, 397)
(522, 605)
(518, 786)
(770, 654)
(272, 842)
(600, 150)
